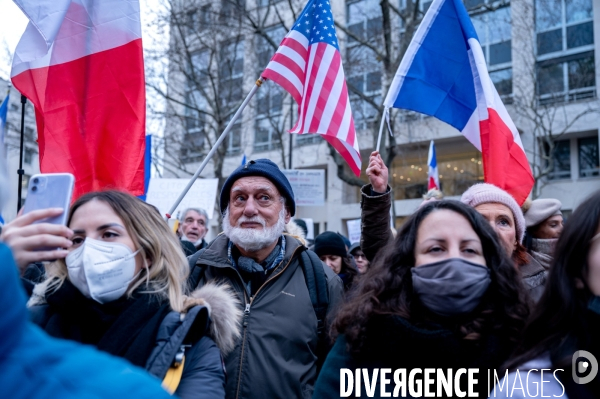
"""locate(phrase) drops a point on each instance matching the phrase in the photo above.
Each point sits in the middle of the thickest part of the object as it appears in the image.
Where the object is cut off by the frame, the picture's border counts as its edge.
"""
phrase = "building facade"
(31, 164)
(540, 54)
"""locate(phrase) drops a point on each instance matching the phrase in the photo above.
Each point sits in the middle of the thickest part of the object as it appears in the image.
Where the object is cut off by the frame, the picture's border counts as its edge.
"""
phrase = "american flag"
(308, 65)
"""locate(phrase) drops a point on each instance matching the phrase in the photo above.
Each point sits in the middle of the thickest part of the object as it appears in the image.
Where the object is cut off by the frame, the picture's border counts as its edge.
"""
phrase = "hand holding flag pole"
(212, 151)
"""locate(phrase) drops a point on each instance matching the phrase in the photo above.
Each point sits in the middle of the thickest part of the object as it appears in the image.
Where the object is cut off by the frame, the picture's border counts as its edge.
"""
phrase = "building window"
(192, 143)
(363, 69)
(267, 135)
(365, 21)
(494, 29)
(561, 160)
(307, 139)
(234, 139)
(565, 50)
(568, 78)
(231, 72)
(563, 25)
(588, 157)
(28, 156)
(268, 127)
(264, 49)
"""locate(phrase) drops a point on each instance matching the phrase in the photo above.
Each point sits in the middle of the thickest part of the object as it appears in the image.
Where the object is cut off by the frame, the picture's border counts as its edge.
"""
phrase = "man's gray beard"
(253, 240)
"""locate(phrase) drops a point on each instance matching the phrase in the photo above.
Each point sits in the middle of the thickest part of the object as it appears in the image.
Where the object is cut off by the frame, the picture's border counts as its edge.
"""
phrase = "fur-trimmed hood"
(295, 231)
(224, 310)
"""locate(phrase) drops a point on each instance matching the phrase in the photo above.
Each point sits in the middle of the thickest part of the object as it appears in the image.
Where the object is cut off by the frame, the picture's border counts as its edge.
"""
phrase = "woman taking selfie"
(567, 318)
(121, 289)
(445, 295)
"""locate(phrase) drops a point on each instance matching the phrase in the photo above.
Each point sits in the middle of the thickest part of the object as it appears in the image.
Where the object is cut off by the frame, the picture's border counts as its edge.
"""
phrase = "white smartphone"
(50, 190)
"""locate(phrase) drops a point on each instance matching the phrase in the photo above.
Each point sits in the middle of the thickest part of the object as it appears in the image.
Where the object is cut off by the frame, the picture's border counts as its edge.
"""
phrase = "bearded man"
(276, 355)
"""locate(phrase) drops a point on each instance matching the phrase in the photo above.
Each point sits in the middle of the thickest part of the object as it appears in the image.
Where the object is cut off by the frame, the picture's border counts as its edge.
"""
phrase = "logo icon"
(583, 362)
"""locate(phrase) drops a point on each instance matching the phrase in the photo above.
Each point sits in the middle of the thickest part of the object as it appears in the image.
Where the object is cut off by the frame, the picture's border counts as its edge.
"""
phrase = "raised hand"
(377, 173)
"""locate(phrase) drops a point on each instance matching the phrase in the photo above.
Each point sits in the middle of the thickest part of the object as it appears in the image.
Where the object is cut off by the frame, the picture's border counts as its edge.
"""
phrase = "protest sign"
(308, 186)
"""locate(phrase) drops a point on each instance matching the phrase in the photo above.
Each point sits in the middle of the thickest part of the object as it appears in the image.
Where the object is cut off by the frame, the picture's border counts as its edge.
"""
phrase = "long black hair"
(560, 313)
(386, 287)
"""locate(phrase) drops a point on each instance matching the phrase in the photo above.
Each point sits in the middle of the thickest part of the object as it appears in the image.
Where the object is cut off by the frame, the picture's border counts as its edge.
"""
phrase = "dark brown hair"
(559, 318)
(386, 287)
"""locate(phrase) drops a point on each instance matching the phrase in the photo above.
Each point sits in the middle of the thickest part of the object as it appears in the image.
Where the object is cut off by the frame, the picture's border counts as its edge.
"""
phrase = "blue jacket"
(34, 365)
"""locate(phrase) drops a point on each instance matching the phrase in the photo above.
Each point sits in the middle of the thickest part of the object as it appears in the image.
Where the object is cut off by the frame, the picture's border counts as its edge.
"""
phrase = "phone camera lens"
(34, 189)
(36, 180)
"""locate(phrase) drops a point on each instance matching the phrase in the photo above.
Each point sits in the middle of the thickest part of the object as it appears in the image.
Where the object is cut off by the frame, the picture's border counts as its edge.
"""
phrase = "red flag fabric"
(80, 63)
(308, 65)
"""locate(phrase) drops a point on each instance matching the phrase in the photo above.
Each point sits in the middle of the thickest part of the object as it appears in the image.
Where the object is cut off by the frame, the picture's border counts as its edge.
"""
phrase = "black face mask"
(450, 287)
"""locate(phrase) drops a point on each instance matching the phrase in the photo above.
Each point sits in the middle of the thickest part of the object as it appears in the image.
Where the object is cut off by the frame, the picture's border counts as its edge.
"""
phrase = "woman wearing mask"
(331, 249)
(544, 222)
(567, 318)
(503, 213)
(121, 289)
(444, 295)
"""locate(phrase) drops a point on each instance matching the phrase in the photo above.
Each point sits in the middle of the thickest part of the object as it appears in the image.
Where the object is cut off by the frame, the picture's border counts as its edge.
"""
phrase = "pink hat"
(484, 193)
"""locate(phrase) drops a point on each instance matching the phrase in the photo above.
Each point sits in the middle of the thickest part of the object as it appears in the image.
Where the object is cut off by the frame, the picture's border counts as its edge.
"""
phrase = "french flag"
(80, 63)
(433, 178)
(443, 74)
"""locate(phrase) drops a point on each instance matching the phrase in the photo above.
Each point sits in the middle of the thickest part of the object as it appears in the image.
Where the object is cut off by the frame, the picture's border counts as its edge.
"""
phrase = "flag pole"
(20, 172)
(381, 129)
(214, 148)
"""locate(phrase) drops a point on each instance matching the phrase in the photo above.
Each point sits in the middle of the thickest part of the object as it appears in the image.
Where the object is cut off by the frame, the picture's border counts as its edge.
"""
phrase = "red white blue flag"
(433, 179)
(80, 63)
(308, 65)
(443, 74)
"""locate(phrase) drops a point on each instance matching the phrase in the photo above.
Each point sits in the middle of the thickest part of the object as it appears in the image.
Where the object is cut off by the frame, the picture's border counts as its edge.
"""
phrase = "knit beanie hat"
(542, 209)
(264, 168)
(484, 193)
(329, 243)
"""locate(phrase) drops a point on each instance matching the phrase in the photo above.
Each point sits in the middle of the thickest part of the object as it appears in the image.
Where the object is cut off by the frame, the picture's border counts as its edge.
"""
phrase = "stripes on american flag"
(308, 65)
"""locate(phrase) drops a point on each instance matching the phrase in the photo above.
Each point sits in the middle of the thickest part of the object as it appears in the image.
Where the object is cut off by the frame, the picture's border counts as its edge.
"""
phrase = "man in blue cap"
(276, 279)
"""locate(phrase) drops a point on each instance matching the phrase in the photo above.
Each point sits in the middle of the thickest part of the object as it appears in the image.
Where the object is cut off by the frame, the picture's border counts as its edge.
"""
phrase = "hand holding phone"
(39, 233)
(29, 239)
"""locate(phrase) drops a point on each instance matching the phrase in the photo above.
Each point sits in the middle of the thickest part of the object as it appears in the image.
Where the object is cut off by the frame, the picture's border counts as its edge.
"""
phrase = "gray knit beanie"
(542, 209)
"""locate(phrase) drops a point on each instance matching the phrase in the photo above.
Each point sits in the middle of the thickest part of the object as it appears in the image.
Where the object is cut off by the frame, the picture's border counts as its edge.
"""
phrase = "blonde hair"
(166, 276)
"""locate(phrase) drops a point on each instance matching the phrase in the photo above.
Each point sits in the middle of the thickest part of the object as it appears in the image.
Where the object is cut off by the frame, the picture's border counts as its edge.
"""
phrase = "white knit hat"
(484, 193)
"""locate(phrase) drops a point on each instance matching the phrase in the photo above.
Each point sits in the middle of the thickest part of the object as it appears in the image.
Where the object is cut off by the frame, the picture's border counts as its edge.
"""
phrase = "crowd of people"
(263, 312)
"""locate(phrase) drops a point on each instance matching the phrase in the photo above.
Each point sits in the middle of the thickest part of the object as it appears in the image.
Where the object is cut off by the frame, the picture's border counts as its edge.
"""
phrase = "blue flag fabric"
(3, 116)
(147, 165)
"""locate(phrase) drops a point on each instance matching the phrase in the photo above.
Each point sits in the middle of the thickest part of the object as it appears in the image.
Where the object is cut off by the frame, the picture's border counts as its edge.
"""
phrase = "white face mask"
(101, 270)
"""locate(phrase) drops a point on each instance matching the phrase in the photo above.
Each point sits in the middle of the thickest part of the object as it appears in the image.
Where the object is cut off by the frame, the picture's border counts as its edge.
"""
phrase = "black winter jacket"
(276, 355)
(210, 312)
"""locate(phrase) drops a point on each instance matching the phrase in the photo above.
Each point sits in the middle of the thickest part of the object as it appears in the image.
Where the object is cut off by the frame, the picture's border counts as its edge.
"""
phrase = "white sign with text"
(308, 186)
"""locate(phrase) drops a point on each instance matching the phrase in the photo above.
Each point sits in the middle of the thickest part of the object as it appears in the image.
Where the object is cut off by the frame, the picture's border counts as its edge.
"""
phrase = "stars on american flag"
(319, 17)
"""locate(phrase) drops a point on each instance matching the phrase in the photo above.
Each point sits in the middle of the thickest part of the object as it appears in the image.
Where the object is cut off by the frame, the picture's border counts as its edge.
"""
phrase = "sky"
(12, 26)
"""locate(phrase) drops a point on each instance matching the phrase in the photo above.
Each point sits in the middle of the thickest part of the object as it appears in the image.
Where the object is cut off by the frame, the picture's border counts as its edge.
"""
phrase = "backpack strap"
(316, 281)
(196, 271)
